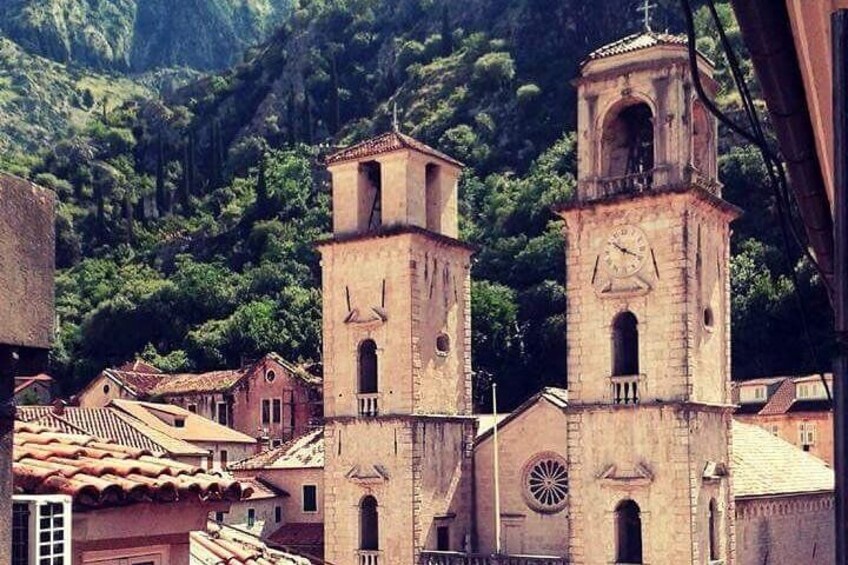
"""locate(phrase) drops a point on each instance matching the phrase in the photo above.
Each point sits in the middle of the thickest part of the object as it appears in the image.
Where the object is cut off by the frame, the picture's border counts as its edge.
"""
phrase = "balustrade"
(457, 558)
(368, 404)
(625, 389)
(368, 557)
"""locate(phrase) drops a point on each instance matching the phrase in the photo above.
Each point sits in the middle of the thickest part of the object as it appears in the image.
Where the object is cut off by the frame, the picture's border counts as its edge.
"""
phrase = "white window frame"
(159, 554)
(760, 393)
(35, 546)
(303, 499)
(807, 432)
(804, 391)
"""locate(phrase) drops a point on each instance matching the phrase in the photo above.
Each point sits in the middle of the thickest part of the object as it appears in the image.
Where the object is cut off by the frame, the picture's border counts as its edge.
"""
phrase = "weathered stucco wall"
(785, 531)
(541, 429)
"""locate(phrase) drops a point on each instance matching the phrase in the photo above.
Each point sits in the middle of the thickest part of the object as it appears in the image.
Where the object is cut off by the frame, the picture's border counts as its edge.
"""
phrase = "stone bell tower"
(648, 345)
(397, 356)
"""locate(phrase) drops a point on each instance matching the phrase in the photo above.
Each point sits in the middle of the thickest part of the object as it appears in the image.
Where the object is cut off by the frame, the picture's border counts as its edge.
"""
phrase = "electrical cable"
(773, 164)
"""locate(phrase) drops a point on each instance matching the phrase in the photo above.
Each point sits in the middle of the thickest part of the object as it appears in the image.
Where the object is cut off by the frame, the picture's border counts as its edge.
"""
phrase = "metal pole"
(497, 472)
(8, 360)
(839, 32)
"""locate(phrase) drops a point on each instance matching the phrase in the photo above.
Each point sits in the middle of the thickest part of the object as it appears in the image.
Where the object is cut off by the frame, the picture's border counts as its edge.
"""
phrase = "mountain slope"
(138, 35)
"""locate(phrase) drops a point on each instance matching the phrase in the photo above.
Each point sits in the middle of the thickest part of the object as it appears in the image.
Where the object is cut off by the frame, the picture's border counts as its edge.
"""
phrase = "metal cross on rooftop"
(646, 9)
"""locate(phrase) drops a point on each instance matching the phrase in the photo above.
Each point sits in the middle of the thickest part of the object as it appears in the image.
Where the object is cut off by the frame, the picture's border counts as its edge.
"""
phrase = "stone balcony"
(658, 178)
(457, 558)
(368, 556)
(625, 388)
(369, 404)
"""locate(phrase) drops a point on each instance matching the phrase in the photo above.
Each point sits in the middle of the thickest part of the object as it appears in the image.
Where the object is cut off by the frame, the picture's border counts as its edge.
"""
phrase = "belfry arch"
(627, 139)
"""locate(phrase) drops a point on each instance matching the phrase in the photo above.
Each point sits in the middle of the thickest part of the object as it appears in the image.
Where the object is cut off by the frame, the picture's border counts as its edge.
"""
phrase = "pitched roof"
(781, 399)
(299, 535)
(262, 489)
(302, 371)
(226, 547)
(303, 452)
(555, 395)
(99, 473)
(162, 417)
(109, 423)
(22, 383)
(188, 383)
(386, 143)
(765, 465)
(636, 42)
(138, 366)
(139, 384)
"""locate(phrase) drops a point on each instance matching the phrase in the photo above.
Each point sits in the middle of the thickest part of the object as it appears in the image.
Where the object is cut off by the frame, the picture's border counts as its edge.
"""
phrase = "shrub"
(494, 69)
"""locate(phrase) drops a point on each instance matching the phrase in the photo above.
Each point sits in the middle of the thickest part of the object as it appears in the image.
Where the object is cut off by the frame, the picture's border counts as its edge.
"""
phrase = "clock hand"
(623, 249)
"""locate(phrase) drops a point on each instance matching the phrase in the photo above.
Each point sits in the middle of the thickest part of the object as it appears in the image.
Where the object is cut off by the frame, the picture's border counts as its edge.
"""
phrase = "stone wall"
(786, 531)
(540, 429)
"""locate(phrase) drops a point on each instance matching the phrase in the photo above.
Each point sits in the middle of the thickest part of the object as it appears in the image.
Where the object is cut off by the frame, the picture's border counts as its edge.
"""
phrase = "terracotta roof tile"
(112, 424)
(188, 383)
(386, 143)
(765, 465)
(138, 366)
(635, 42)
(262, 489)
(303, 452)
(98, 473)
(226, 547)
(162, 417)
(140, 384)
(781, 399)
(22, 383)
(299, 535)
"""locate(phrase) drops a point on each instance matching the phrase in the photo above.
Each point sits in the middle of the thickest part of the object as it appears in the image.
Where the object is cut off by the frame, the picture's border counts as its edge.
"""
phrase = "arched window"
(701, 139)
(625, 345)
(713, 530)
(369, 524)
(628, 143)
(368, 367)
(628, 533)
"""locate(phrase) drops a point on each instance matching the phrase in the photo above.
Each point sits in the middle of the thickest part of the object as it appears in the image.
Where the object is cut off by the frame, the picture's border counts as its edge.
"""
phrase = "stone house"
(34, 390)
(297, 470)
(797, 409)
(270, 400)
(123, 504)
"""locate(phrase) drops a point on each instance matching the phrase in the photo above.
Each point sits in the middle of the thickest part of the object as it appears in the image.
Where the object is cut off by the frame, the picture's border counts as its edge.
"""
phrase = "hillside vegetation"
(186, 225)
(140, 35)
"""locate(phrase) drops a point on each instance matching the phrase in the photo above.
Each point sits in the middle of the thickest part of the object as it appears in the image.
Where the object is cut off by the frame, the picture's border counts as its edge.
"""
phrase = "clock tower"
(397, 356)
(648, 317)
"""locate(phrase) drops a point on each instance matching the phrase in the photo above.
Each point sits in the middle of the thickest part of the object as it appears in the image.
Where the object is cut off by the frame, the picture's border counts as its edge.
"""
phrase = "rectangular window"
(219, 517)
(443, 538)
(251, 517)
(275, 412)
(223, 457)
(803, 391)
(288, 414)
(760, 393)
(310, 498)
(192, 408)
(20, 534)
(807, 434)
(276, 443)
(278, 514)
(266, 411)
(223, 414)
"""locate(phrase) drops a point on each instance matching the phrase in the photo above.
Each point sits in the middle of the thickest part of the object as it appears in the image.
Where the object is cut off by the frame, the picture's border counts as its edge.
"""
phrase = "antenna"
(646, 8)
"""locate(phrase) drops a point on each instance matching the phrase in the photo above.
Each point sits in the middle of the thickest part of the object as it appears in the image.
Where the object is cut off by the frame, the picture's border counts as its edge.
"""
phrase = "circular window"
(709, 319)
(106, 389)
(442, 344)
(270, 376)
(546, 483)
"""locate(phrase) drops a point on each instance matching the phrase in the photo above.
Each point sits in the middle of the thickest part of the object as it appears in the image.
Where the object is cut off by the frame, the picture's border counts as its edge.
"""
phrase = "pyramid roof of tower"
(386, 143)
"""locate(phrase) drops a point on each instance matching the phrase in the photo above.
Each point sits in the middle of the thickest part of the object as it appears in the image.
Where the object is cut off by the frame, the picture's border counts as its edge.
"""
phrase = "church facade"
(636, 462)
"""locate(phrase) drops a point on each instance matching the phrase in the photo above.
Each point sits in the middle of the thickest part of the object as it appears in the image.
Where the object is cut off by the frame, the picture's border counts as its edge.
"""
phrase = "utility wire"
(773, 164)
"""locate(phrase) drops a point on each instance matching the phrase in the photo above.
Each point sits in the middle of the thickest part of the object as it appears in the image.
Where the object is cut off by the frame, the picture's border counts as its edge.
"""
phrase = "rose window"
(546, 483)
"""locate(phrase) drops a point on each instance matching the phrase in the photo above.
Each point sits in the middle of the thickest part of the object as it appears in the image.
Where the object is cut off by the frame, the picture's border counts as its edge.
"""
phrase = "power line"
(773, 164)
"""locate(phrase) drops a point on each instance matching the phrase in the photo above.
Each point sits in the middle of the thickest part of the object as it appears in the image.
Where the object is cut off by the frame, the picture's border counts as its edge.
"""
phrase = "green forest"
(188, 207)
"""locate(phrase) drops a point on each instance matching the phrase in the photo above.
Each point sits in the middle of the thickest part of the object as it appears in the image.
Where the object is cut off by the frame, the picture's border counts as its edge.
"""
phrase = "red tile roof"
(781, 399)
(262, 489)
(112, 424)
(299, 536)
(223, 546)
(99, 473)
(140, 384)
(138, 366)
(303, 452)
(635, 42)
(22, 383)
(386, 143)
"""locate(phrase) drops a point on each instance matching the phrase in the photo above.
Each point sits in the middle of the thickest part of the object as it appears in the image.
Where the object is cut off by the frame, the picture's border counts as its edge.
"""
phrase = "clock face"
(625, 251)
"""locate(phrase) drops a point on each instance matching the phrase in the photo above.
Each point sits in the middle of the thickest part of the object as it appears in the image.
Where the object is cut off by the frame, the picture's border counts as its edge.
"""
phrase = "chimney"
(59, 407)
